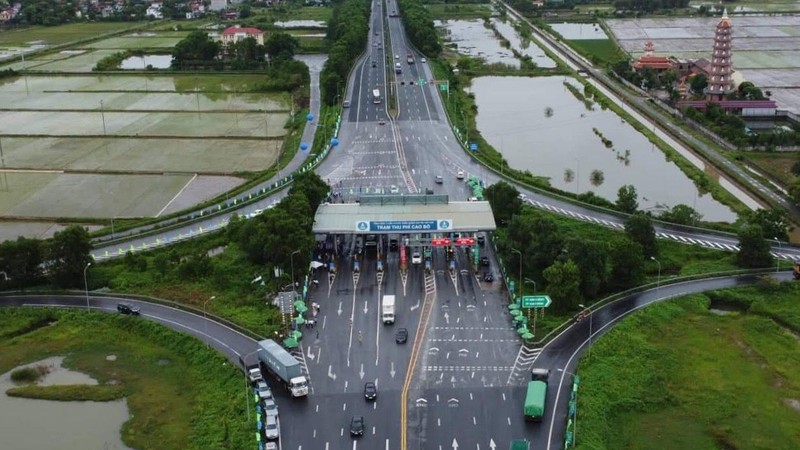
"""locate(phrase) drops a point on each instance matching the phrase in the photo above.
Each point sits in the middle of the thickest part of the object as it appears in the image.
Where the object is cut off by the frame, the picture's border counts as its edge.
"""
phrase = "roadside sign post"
(535, 302)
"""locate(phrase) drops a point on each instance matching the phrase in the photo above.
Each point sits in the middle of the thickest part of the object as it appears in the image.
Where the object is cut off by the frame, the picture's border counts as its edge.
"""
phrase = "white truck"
(276, 360)
(387, 309)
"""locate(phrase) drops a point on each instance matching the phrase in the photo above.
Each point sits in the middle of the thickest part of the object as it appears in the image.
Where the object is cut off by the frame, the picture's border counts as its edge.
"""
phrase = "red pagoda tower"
(720, 82)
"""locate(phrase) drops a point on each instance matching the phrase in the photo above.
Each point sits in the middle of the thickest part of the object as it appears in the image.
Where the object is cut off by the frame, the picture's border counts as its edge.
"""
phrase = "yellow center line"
(418, 339)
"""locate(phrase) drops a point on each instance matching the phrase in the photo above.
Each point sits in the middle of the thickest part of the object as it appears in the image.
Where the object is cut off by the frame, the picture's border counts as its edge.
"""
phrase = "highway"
(456, 400)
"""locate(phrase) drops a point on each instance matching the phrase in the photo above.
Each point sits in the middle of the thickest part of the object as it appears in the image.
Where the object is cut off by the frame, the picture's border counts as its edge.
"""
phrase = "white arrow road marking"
(391, 370)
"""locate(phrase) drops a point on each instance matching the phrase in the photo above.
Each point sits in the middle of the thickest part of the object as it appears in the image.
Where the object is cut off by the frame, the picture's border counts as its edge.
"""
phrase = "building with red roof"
(235, 34)
(650, 61)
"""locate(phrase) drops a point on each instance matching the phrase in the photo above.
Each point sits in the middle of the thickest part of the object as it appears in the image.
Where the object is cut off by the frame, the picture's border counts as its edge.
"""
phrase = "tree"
(627, 264)
(774, 222)
(504, 200)
(248, 50)
(563, 285)
(312, 186)
(639, 228)
(754, 250)
(682, 215)
(281, 47)
(537, 237)
(591, 257)
(21, 260)
(196, 48)
(68, 253)
(627, 199)
(698, 83)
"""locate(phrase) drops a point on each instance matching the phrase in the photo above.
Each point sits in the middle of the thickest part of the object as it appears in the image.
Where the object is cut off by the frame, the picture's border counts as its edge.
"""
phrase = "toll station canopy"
(385, 214)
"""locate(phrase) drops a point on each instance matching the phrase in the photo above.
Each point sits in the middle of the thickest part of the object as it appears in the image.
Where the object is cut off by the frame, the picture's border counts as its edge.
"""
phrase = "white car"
(263, 390)
(394, 189)
(460, 174)
(270, 408)
(396, 56)
(423, 60)
(416, 258)
(271, 429)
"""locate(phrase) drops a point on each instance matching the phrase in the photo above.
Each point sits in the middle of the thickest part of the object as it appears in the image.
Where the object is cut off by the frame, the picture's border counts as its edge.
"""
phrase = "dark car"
(393, 245)
(488, 277)
(370, 391)
(357, 426)
(481, 240)
(401, 336)
(485, 261)
(125, 308)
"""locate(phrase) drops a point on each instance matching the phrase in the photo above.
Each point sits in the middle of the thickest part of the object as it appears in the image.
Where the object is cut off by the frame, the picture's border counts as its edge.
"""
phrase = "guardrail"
(141, 298)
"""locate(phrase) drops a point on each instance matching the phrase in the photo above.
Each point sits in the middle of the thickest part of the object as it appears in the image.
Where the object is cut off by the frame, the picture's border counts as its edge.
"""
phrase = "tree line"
(59, 261)
(574, 268)
(418, 24)
(347, 37)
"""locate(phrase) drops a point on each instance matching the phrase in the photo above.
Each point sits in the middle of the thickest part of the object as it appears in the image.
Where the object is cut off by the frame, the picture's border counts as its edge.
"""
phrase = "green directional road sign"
(536, 301)
(422, 81)
(443, 87)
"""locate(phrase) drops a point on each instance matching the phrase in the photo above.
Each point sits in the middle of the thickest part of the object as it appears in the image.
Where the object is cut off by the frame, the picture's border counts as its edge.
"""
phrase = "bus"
(376, 96)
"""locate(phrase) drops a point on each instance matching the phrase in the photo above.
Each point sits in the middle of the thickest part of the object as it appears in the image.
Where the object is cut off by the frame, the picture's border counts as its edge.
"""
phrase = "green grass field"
(140, 41)
(195, 400)
(776, 164)
(676, 376)
(61, 34)
(602, 51)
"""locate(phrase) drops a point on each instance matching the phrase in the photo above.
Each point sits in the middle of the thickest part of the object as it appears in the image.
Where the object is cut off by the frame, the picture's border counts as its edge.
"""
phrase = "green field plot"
(14, 96)
(680, 376)
(84, 62)
(140, 40)
(141, 155)
(209, 84)
(61, 34)
(604, 50)
(183, 124)
(89, 195)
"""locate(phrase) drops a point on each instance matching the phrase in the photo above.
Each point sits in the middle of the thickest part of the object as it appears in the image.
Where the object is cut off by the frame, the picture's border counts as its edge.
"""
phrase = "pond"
(579, 31)
(524, 46)
(141, 62)
(540, 126)
(301, 24)
(27, 424)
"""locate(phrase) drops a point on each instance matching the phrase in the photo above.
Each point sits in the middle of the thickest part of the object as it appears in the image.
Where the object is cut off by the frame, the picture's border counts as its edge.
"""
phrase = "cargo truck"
(535, 401)
(254, 374)
(277, 361)
(387, 309)
(520, 444)
(410, 58)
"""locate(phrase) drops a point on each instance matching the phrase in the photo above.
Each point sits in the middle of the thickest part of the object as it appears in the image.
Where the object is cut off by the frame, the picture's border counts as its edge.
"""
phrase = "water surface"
(542, 127)
(27, 424)
(141, 62)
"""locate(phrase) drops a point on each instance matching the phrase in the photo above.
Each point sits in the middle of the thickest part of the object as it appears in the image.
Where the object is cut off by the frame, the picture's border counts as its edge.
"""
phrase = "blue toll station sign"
(394, 226)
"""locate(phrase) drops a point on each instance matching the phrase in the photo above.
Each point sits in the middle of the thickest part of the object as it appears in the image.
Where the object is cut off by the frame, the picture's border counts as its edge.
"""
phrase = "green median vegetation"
(181, 395)
(69, 393)
(720, 370)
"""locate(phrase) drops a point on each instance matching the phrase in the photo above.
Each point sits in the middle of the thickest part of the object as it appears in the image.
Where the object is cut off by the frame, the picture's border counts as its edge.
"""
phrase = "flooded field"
(540, 126)
(579, 31)
(142, 62)
(474, 39)
(37, 424)
(524, 46)
(766, 49)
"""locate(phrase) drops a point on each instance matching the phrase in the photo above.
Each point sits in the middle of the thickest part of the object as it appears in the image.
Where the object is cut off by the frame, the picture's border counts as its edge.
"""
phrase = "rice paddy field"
(766, 49)
(100, 146)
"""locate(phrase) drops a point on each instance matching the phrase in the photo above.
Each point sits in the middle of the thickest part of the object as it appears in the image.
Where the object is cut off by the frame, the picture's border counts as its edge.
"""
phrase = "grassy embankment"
(677, 376)
(180, 394)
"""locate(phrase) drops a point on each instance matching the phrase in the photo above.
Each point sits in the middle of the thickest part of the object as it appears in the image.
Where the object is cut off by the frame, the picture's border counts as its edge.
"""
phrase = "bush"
(27, 375)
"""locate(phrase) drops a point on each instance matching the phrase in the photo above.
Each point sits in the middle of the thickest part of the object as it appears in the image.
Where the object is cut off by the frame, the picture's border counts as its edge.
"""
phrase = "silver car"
(270, 408)
(263, 390)
(271, 429)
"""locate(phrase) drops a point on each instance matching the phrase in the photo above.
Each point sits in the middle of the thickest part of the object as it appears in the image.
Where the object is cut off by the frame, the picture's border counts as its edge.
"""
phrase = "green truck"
(520, 444)
(535, 400)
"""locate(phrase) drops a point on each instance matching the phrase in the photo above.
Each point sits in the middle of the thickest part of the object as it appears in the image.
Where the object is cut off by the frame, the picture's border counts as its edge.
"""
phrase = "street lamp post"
(291, 257)
(590, 324)
(528, 280)
(575, 418)
(247, 382)
(103, 117)
(520, 271)
(658, 280)
(778, 259)
(86, 285)
(205, 319)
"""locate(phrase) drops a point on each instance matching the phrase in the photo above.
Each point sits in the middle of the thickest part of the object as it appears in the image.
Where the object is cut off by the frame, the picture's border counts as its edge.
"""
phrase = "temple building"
(720, 82)
(650, 61)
